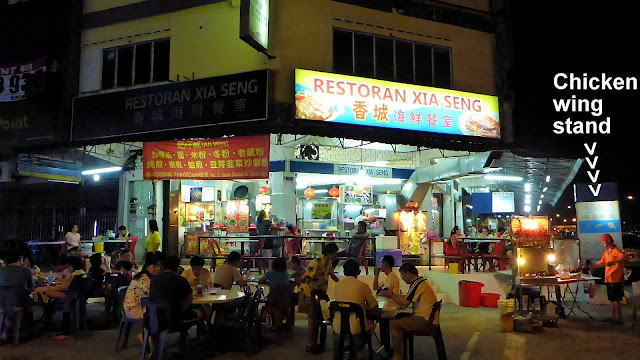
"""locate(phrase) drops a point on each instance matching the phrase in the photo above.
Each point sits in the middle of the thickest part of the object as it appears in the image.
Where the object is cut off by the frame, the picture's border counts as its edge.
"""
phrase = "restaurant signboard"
(360, 101)
(189, 104)
(13, 79)
(254, 23)
(213, 159)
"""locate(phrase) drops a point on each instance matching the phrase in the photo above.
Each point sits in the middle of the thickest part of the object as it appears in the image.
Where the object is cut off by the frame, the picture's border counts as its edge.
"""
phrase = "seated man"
(352, 290)
(228, 272)
(125, 256)
(174, 289)
(15, 275)
(197, 275)
(354, 245)
(123, 233)
(422, 298)
(97, 276)
(391, 282)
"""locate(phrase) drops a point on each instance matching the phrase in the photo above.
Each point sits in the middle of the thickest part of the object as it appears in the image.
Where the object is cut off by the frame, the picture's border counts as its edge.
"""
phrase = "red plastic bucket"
(469, 293)
(489, 299)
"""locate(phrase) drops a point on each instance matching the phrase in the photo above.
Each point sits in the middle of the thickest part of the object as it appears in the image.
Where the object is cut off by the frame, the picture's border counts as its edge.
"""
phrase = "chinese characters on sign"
(189, 104)
(219, 159)
(360, 101)
(254, 23)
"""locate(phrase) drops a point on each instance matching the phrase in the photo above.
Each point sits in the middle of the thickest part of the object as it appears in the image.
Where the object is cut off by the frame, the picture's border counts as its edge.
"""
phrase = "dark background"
(593, 37)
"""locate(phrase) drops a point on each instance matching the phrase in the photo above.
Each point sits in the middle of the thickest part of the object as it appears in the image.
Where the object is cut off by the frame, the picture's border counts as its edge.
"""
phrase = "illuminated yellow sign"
(361, 101)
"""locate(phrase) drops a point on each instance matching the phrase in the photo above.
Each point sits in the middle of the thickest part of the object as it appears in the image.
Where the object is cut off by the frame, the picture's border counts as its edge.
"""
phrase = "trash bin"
(469, 293)
(98, 247)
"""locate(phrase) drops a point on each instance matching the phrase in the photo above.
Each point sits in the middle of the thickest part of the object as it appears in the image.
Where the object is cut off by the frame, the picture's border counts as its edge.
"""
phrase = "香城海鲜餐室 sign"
(189, 104)
(360, 101)
(14, 78)
(210, 159)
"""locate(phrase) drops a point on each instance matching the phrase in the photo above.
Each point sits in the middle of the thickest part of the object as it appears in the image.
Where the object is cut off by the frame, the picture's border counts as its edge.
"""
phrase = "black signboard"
(25, 123)
(189, 104)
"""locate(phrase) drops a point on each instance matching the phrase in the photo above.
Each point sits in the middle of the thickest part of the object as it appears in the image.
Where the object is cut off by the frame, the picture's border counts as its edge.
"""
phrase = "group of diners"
(162, 278)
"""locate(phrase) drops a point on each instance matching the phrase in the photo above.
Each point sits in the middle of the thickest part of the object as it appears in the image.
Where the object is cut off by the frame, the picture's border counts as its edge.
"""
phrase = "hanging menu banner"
(187, 104)
(214, 159)
(361, 101)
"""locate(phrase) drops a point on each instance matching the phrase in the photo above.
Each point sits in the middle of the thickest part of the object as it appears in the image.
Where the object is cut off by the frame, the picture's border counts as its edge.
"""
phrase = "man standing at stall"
(613, 262)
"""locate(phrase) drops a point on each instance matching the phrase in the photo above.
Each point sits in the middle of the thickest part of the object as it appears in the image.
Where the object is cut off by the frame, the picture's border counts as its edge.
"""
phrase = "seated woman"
(280, 290)
(139, 287)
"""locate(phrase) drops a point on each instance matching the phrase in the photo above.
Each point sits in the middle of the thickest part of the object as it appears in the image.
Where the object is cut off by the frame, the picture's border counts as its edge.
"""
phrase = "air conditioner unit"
(6, 171)
(243, 191)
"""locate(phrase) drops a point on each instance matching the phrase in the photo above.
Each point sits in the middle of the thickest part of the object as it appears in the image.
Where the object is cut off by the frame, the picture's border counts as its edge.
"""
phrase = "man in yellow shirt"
(422, 298)
(613, 262)
(197, 275)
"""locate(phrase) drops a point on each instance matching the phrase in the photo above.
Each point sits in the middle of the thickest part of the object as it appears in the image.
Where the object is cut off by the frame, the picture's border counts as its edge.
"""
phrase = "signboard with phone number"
(13, 79)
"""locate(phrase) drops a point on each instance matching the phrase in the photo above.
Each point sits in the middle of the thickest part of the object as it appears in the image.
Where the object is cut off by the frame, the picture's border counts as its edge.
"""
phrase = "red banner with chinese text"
(213, 159)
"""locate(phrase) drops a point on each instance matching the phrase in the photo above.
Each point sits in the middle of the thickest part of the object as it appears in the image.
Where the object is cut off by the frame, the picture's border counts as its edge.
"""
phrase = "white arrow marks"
(593, 148)
(596, 191)
(593, 178)
(592, 164)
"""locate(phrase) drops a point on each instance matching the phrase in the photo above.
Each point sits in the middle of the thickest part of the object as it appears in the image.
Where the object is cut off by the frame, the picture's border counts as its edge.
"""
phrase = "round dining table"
(220, 297)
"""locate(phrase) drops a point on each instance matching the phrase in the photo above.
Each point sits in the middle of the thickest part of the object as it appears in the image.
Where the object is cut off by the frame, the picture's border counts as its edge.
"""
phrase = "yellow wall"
(213, 50)
(300, 37)
(98, 5)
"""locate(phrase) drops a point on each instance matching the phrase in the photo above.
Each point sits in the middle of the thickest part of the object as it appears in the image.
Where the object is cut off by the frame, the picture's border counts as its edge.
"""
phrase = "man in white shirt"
(228, 272)
(391, 282)
(422, 298)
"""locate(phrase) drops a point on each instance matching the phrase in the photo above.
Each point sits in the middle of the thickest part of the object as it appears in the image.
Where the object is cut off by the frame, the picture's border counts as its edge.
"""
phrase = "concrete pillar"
(283, 195)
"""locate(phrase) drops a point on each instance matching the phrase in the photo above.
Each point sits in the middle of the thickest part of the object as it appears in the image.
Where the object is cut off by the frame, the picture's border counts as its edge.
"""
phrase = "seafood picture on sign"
(360, 101)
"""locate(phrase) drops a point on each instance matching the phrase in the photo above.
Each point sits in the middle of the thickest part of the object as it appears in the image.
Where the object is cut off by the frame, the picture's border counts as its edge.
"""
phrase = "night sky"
(577, 37)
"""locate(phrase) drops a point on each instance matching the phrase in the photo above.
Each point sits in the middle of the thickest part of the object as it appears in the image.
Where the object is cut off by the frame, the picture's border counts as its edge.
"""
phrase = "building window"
(136, 64)
(391, 59)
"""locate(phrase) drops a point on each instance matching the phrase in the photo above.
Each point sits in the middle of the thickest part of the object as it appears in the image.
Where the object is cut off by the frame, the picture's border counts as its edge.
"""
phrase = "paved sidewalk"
(468, 334)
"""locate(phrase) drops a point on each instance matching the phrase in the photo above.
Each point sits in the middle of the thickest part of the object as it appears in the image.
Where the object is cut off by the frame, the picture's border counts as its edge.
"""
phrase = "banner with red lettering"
(211, 159)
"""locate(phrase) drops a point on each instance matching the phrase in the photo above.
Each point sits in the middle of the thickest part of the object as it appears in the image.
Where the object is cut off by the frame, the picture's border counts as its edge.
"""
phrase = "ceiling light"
(540, 202)
(490, 170)
(527, 196)
(527, 208)
(548, 178)
(527, 187)
(538, 208)
(557, 215)
(503, 177)
(322, 191)
(551, 257)
(545, 189)
(542, 196)
(96, 177)
(527, 201)
(102, 170)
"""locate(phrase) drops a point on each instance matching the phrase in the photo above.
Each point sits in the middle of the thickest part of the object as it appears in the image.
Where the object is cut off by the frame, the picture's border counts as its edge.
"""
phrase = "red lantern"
(263, 190)
(309, 192)
(334, 192)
